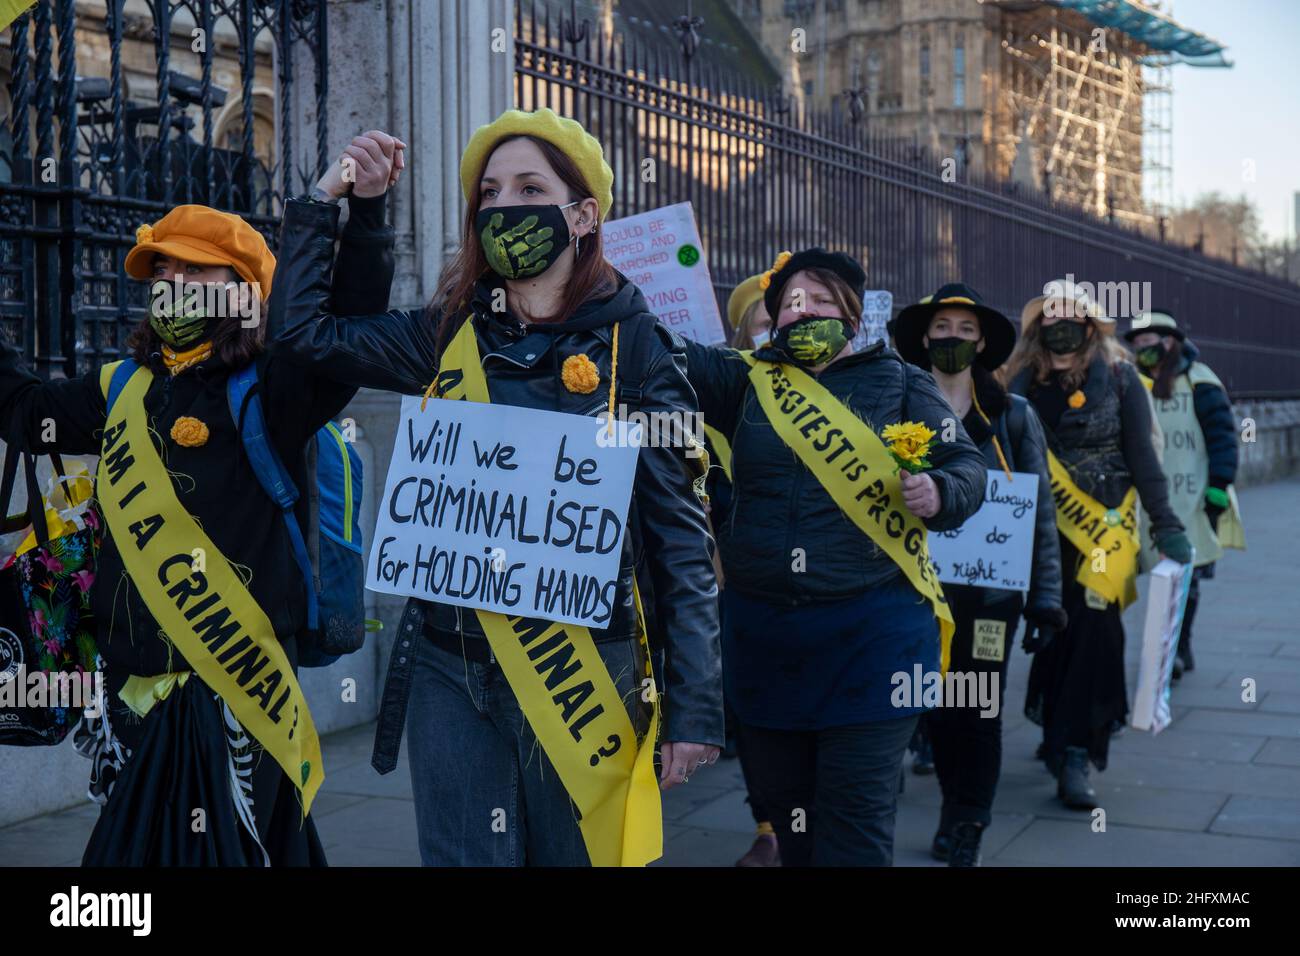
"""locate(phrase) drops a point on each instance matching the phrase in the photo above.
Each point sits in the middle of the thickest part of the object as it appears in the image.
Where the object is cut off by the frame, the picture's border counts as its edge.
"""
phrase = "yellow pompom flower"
(909, 443)
(144, 234)
(766, 279)
(1077, 399)
(189, 432)
(580, 374)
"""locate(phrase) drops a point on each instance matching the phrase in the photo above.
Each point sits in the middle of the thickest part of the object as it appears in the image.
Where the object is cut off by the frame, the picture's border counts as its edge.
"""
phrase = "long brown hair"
(592, 277)
(1030, 352)
(234, 345)
(1167, 370)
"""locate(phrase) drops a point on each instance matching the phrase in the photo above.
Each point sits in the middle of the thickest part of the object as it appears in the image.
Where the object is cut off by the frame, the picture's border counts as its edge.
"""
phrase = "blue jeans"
(485, 793)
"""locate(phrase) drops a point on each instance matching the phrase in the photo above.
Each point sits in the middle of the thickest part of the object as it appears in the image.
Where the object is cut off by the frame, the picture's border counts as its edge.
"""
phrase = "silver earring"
(577, 246)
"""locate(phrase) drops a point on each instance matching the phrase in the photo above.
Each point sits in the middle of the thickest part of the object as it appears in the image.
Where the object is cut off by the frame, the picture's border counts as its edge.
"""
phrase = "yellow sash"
(852, 464)
(1105, 537)
(568, 696)
(207, 613)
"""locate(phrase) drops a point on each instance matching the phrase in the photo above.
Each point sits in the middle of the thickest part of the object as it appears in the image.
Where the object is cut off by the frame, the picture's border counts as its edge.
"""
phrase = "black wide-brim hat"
(914, 322)
(842, 265)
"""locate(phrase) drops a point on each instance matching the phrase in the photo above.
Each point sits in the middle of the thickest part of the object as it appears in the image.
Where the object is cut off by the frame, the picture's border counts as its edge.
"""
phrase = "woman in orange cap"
(172, 734)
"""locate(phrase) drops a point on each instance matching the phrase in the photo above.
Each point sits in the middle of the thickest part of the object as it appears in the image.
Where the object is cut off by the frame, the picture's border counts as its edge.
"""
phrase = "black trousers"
(832, 794)
(967, 743)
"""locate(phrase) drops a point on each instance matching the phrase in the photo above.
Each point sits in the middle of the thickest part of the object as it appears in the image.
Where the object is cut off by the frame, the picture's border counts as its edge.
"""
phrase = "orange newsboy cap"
(207, 237)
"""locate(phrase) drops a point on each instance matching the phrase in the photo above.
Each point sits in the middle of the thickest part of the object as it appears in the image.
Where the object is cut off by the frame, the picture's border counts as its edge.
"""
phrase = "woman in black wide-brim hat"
(962, 341)
(819, 617)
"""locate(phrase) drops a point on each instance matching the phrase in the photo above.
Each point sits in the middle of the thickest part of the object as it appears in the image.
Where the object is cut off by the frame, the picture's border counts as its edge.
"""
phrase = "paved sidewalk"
(1219, 787)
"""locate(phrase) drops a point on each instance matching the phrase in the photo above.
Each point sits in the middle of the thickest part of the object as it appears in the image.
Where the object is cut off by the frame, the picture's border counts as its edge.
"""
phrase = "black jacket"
(214, 482)
(1020, 434)
(396, 351)
(1106, 444)
(778, 506)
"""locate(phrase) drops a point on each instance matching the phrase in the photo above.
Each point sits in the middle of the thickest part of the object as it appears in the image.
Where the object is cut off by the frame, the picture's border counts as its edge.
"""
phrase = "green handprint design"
(518, 252)
(814, 342)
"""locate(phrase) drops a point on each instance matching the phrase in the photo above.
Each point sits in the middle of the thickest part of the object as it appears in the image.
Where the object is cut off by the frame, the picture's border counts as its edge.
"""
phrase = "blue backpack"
(330, 557)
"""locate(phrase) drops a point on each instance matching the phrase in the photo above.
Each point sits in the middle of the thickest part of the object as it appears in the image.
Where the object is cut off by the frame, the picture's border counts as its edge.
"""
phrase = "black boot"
(941, 848)
(966, 844)
(1072, 784)
(1184, 652)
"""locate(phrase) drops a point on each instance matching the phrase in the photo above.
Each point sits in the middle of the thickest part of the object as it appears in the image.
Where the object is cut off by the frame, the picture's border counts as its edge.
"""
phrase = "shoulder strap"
(634, 359)
(907, 388)
(246, 410)
(117, 379)
(1014, 424)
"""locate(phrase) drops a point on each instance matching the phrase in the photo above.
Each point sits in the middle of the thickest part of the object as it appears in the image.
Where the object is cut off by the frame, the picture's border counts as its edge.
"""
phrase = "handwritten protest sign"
(995, 546)
(660, 251)
(506, 509)
(877, 307)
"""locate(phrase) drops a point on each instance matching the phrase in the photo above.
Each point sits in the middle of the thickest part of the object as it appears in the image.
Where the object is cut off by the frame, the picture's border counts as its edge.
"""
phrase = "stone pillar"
(429, 72)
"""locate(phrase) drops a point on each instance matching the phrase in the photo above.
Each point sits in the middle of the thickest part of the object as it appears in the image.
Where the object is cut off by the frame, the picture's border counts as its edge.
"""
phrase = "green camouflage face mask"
(813, 341)
(180, 324)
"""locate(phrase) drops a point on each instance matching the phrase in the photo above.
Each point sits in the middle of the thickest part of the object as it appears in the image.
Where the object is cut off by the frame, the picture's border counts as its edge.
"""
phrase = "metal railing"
(764, 176)
(88, 164)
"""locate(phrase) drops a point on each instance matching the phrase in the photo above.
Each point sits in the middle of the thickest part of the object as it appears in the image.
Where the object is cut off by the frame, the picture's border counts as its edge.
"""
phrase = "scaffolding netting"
(1152, 28)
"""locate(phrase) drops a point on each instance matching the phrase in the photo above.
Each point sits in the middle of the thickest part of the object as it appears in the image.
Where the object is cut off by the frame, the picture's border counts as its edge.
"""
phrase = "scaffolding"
(1157, 135)
(1074, 93)
(1085, 98)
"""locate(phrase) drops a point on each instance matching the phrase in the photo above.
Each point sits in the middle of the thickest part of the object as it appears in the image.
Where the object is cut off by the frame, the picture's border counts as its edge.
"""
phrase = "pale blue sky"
(1222, 118)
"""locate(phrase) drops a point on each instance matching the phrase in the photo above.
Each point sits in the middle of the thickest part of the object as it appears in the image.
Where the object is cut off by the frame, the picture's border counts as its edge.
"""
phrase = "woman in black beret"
(822, 616)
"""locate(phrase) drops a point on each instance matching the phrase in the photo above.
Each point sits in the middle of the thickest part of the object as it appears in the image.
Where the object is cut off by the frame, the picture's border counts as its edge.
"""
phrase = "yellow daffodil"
(909, 444)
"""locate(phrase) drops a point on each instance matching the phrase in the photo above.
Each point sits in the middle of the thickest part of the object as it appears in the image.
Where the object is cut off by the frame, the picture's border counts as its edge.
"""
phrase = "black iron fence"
(763, 176)
(87, 160)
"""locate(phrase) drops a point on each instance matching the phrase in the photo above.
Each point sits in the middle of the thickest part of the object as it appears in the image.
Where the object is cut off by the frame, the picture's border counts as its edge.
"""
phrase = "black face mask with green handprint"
(813, 340)
(521, 242)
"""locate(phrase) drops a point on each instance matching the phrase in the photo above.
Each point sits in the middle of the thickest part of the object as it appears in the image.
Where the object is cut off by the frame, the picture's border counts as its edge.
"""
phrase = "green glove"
(1176, 546)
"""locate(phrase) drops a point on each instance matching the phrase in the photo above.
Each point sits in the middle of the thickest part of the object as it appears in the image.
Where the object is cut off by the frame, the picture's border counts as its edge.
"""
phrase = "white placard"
(877, 307)
(660, 251)
(504, 508)
(995, 546)
(1166, 602)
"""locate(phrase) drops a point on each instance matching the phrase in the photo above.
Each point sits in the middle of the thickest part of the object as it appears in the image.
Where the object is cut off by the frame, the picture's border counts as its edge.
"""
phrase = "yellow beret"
(742, 297)
(206, 237)
(565, 134)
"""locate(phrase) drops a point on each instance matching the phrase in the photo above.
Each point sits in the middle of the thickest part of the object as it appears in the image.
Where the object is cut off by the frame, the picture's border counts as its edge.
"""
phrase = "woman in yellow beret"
(530, 298)
(168, 742)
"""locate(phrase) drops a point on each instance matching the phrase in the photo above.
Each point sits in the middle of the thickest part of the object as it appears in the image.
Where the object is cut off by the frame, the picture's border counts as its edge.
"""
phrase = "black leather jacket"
(668, 537)
(778, 510)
